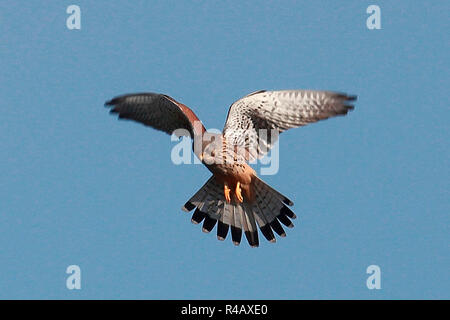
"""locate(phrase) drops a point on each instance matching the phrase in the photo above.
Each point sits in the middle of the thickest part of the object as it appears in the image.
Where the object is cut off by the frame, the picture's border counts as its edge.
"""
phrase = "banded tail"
(268, 209)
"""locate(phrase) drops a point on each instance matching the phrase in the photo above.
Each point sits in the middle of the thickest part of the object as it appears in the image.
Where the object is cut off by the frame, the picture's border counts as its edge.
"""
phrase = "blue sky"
(79, 187)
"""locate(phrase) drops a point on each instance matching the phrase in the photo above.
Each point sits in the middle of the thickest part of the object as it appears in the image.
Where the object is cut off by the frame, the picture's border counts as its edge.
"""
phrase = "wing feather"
(255, 121)
(158, 111)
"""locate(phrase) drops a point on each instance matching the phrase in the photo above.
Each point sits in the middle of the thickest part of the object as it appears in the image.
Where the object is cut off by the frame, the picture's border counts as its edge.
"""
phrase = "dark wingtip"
(351, 97)
(345, 110)
(345, 96)
(349, 107)
(122, 98)
(113, 101)
(348, 98)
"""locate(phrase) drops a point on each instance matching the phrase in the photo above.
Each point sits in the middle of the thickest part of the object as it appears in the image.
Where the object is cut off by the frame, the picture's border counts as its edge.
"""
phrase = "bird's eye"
(213, 154)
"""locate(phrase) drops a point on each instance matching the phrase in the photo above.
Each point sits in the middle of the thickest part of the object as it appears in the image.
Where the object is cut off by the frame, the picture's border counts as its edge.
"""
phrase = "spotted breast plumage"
(234, 197)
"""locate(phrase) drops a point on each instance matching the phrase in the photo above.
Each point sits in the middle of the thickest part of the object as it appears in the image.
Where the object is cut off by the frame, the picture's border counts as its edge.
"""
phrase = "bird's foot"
(238, 192)
(226, 191)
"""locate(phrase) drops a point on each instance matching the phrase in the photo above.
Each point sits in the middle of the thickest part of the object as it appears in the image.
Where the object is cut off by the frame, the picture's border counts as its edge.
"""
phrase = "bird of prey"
(234, 197)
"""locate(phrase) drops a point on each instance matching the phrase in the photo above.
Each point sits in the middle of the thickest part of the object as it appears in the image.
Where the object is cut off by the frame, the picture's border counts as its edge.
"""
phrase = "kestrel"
(234, 197)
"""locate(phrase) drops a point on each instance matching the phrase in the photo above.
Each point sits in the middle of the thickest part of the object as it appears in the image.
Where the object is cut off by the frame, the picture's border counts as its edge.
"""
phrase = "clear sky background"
(79, 187)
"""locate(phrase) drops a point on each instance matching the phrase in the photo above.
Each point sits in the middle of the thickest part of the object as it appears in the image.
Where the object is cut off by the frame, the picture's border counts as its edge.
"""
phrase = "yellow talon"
(238, 192)
(226, 191)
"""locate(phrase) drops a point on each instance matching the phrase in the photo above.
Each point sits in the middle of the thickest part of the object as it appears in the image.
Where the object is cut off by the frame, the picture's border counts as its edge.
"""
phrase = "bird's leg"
(238, 192)
(226, 191)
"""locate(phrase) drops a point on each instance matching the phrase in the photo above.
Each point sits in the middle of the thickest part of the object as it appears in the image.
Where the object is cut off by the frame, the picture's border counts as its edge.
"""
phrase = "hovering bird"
(234, 197)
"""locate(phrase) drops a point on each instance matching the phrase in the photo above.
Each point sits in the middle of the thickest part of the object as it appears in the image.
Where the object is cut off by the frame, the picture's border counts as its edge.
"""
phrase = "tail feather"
(263, 221)
(222, 230)
(272, 200)
(197, 199)
(266, 211)
(285, 220)
(283, 198)
(209, 224)
(198, 216)
(227, 216)
(236, 227)
(225, 220)
(251, 232)
(276, 226)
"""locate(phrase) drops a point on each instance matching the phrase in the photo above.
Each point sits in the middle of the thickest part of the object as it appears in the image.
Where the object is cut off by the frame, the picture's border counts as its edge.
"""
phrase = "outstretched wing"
(158, 111)
(254, 122)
